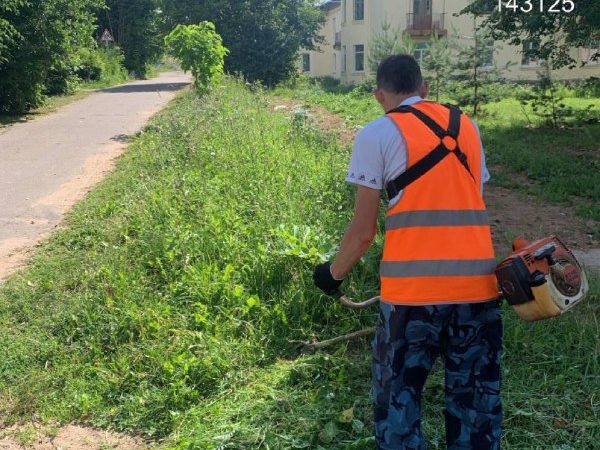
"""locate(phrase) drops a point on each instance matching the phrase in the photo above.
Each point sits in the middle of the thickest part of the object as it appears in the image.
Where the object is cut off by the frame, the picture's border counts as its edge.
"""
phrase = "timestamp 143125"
(549, 6)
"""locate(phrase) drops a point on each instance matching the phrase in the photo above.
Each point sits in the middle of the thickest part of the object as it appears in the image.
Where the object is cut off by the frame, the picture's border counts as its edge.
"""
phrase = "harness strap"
(429, 161)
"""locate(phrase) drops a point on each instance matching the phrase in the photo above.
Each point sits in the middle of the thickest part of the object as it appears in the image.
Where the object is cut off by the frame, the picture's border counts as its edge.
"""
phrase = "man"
(438, 291)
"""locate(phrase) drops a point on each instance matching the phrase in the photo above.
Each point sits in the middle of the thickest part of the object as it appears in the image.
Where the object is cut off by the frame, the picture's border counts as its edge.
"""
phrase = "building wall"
(396, 12)
(326, 61)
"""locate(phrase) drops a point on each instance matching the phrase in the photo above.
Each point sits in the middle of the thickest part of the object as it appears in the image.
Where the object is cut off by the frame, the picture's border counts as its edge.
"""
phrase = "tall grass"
(170, 304)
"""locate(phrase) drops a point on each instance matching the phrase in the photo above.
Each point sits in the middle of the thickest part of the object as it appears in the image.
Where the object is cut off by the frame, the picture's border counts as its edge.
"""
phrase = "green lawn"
(168, 305)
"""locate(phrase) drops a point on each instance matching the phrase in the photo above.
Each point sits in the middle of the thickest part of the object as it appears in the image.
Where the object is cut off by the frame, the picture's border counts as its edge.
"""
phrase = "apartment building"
(351, 24)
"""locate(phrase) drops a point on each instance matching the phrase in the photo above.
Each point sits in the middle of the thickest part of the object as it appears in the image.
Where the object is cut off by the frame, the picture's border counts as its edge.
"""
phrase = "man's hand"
(324, 280)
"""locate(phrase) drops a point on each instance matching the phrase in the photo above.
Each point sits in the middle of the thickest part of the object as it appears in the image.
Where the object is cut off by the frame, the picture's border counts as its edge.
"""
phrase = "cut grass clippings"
(170, 303)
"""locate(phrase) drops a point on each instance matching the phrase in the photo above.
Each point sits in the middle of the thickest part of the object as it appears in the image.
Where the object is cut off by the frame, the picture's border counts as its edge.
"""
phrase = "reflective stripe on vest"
(436, 218)
(436, 268)
(438, 246)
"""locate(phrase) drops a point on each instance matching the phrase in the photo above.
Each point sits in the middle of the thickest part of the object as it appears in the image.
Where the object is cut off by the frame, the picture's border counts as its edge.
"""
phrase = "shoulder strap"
(434, 157)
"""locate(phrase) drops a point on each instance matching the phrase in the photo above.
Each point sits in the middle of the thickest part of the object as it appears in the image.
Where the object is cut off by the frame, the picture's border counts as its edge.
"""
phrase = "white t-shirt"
(380, 155)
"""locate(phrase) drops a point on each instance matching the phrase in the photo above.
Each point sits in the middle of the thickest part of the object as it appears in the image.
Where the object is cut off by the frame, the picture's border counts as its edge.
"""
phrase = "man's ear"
(380, 96)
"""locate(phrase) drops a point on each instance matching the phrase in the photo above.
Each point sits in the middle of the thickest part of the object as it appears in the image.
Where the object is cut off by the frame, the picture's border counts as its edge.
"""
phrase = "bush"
(365, 87)
(589, 88)
(101, 64)
(546, 101)
(91, 65)
(200, 50)
(37, 50)
(328, 83)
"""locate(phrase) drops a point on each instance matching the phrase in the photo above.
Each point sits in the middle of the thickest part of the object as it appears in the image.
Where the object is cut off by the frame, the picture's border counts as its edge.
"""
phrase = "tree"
(437, 63)
(387, 43)
(39, 42)
(553, 34)
(263, 36)
(200, 49)
(135, 28)
(474, 69)
(9, 35)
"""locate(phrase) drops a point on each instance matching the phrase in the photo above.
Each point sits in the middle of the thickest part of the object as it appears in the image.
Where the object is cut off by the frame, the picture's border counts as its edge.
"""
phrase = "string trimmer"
(540, 279)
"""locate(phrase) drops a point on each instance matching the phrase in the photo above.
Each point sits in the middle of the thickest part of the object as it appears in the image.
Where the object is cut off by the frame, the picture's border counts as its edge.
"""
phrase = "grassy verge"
(563, 164)
(168, 305)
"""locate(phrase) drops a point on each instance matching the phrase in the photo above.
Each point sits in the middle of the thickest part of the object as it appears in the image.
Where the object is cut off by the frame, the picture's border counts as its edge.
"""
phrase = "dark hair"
(399, 74)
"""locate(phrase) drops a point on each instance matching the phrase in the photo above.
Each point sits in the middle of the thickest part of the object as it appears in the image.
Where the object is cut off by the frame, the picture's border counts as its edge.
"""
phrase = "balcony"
(425, 25)
(337, 40)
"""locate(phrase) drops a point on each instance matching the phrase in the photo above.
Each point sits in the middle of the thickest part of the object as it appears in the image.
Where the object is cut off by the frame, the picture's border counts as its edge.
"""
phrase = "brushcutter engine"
(541, 279)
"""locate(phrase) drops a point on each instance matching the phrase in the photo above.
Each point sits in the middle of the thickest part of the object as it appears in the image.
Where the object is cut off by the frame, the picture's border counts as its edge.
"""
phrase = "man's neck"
(396, 100)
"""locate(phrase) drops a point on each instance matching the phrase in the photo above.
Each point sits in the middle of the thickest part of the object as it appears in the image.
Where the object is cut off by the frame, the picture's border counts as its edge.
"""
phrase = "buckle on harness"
(450, 142)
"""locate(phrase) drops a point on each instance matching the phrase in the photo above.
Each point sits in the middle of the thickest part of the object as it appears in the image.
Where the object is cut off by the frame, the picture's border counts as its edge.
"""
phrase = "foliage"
(470, 75)
(200, 49)
(388, 42)
(547, 102)
(263, 36)
(135, 26)
(101, 64)
(39, 42)
(589, 88)
(437, 63)
(9, 35)
(554, 33)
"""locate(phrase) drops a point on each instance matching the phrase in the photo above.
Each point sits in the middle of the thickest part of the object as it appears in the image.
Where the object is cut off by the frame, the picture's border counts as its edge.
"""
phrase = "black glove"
(325, 281)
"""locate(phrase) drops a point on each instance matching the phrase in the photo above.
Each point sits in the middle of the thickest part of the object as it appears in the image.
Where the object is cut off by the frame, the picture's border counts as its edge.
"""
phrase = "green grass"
(168, 305)
(563, 164)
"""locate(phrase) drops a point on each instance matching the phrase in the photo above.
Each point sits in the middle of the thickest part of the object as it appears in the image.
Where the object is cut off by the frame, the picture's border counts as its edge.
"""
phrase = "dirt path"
(512, 213)
(70, 437)
(48, 164)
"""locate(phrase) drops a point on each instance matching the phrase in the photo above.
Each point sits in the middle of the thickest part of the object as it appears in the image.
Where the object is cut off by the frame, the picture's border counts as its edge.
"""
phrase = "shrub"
(546, 100)
(589, 88)
(37, 50)
(199, 49)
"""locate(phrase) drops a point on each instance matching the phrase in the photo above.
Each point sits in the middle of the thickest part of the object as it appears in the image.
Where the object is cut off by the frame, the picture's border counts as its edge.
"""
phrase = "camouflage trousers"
(468, 337)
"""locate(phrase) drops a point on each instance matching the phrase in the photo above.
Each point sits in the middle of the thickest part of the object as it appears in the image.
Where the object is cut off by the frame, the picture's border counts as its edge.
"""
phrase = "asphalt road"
(48, 164)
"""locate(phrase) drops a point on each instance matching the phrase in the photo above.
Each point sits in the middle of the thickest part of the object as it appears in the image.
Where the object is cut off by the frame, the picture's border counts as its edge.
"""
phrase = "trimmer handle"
(355, 305)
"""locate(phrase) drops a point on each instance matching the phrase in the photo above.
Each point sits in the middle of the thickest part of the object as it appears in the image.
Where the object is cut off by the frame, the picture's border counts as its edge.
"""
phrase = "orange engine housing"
(541, 279)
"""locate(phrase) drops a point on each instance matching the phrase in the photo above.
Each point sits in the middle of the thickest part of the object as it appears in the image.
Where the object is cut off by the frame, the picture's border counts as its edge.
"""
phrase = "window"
(421, 50)
(343, 59)
(591, 54)
(359, 9)
(334, 26)
(359, 58)
(528, 59)
(335, 63)
(486, 53)
(305, 62)
(343, 11)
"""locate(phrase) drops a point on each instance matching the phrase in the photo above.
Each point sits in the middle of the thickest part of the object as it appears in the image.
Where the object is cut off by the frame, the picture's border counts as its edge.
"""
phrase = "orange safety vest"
(438, 244)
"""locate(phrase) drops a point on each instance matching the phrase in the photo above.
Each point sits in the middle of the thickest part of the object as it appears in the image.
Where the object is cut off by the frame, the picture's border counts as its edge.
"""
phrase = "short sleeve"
(366, 163)
(485, 174)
